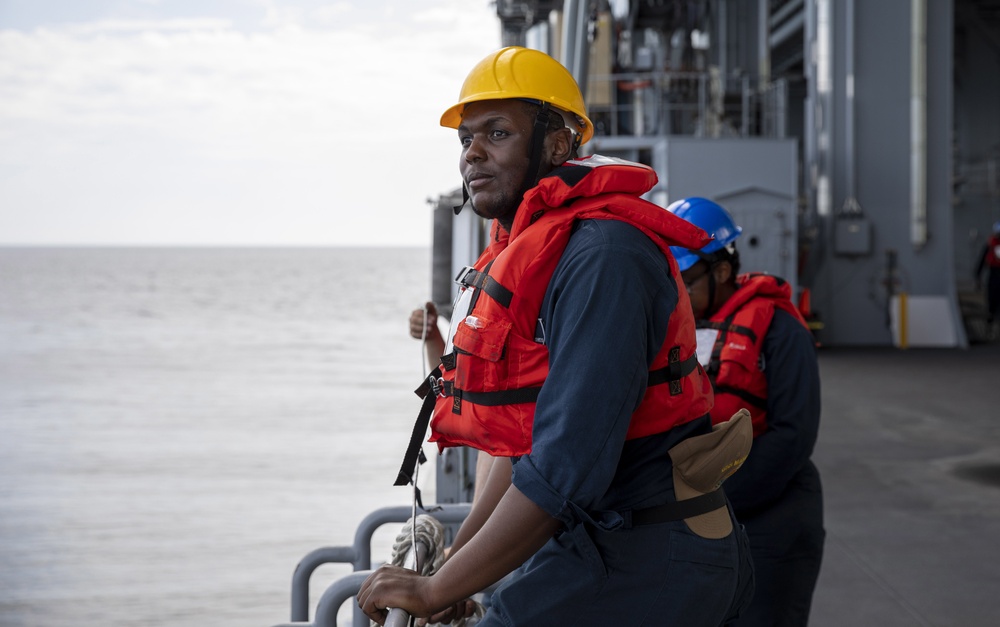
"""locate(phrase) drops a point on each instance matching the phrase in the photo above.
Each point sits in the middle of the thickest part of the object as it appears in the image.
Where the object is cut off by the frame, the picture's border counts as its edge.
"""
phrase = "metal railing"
(687, 103)
(414, 556)
(359, 556)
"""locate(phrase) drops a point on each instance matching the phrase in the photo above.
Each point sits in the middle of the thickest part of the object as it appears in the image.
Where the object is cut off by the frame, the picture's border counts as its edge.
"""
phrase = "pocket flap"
(740, 349)
(482, 338)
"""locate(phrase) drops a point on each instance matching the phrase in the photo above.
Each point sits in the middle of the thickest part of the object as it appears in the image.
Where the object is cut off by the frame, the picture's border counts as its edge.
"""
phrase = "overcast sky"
(232, 122)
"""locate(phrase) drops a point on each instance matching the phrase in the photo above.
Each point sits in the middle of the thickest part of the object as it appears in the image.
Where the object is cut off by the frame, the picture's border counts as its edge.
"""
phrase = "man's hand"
(462, 609)
(425, 327)
(390, 587)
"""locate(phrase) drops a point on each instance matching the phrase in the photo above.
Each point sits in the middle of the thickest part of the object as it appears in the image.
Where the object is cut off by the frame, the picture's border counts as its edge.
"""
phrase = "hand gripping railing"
(416, 555)
(359, 556)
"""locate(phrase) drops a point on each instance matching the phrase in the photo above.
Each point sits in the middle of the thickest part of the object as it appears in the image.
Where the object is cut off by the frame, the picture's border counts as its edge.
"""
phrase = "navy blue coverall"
(604, 317)
(776, 493)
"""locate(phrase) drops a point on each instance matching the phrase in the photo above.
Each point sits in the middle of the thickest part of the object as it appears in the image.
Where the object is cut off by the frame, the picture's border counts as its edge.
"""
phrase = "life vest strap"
(492, 399)
(753, 399)
(470, 277)
(728, 327)
(448, 361)
(673, 372)
(724, 327)
(414, 450)
(679, 510)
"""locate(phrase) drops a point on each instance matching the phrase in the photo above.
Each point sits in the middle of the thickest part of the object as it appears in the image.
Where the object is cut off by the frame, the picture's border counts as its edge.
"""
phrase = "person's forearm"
(515, 532)
(497, 481)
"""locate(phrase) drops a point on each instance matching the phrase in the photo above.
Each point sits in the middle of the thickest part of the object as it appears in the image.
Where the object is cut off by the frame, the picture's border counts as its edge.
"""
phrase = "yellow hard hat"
(516, 72)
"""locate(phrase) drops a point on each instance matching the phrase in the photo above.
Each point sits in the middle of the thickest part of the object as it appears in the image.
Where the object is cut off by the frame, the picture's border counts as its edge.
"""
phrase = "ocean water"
(178, 427)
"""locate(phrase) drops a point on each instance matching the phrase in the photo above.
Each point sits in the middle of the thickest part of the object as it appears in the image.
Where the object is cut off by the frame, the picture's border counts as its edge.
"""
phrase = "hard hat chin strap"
(465, 200)
(711, 293)
(711, 259)
(537, 141)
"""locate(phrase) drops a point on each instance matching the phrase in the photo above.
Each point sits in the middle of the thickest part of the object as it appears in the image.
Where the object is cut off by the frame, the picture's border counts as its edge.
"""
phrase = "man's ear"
(559, 146)
(723, 271)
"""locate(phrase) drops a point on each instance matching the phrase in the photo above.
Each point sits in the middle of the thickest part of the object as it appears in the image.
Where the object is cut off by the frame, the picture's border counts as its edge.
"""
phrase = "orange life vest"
(490, 381)
(742, 323)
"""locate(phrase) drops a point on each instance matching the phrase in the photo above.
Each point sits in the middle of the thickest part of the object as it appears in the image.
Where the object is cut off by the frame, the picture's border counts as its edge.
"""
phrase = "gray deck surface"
(909, 453)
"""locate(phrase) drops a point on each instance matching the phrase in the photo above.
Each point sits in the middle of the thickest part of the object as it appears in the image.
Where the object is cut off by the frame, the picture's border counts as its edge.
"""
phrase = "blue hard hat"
(712, 219)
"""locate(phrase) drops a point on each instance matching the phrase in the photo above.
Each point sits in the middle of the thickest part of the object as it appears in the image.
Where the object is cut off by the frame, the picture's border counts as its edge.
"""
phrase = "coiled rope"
(427, 531)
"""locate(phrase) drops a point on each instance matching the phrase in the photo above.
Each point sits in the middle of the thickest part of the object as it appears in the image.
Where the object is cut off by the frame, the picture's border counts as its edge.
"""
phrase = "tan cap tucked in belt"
(703, 462)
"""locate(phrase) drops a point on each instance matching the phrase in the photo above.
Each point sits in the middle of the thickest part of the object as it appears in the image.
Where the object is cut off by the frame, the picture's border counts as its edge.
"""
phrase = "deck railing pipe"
(304, 570)
(359, 555)
(414, 558)
(335, 595)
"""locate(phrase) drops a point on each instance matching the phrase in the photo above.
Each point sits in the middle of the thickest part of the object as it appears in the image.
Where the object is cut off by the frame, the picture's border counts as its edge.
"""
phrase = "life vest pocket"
(481, 345)
(740, 354)
(482, 337)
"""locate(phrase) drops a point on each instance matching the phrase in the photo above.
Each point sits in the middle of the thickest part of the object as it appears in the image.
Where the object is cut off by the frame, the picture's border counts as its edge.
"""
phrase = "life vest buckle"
(437, 385)
(462, 277)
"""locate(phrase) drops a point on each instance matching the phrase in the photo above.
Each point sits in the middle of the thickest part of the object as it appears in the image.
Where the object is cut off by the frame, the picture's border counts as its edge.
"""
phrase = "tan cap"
(703, 462)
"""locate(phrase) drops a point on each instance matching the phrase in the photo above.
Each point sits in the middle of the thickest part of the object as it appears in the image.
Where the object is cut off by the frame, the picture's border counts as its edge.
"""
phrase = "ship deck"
(909, 452)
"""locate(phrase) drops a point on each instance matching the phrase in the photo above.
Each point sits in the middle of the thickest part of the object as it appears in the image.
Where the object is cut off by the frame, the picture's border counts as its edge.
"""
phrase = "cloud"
(325, 109)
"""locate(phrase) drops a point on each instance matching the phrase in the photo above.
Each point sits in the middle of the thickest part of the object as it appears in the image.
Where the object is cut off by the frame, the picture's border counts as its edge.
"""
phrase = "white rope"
(423, 343)
(416, 470)
(428, 531)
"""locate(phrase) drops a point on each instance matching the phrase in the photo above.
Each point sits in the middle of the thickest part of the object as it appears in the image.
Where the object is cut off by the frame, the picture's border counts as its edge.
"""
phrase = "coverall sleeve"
(793, 411)
(605, 316)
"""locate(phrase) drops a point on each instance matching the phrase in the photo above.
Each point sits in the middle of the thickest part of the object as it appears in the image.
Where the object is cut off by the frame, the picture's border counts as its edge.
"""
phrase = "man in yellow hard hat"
(571, 359)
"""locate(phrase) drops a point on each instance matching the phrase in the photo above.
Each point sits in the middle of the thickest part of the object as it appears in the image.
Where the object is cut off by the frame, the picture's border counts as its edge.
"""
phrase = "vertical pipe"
(574, 43)
(918, 124)
(849, 95)
(745, 105)
(823, 108)
(581, 60)
(890, 290)
(763, 39)
(721, 35)
(903, 322)
(539, 37)
(782, 108)
(568, 48)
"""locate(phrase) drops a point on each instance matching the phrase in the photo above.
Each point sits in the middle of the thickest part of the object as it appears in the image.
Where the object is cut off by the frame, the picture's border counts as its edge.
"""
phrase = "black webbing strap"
(743, 394)
(493, 399)
(465, 199)
(729, 328)
(725, 328)
(679, 510)
(447, 362)
(414, 450)
(673, 372)
(538, 133)
(471, 277)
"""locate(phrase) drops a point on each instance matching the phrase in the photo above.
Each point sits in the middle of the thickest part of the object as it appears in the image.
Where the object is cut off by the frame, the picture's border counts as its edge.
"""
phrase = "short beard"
(504, 214)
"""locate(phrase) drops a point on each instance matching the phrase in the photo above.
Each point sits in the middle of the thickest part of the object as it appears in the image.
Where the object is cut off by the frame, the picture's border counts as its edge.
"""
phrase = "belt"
(679, 510)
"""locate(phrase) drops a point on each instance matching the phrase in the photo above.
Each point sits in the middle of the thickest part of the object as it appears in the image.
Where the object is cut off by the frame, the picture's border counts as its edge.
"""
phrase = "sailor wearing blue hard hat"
(760, 355)
(718, 223)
